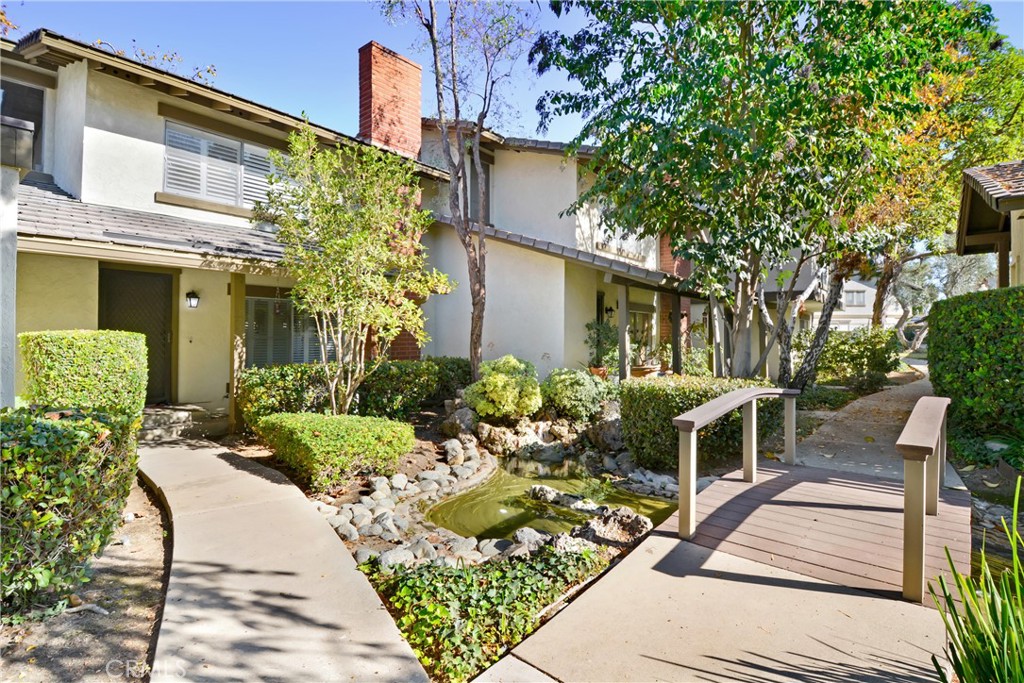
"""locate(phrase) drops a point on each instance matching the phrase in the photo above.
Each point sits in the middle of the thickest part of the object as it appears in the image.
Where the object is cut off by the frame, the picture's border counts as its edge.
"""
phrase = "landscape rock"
(564, 543)
(461, 420)
(454, 452)
(605, 432)
(619, 528)
(498, 440)
(399, 481)
(396, 556)
(703, 483)
(423, 550)
(428, 486)
(463, 545)
(531, 538)
(490, 547)
(470, 556)
(378, 483)
(347, 532)
(365, 555)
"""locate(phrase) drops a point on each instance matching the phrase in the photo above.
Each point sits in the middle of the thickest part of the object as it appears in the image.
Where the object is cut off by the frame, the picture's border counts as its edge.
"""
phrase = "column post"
(623, 332)
(750, 441)
(687, 484)
(913, 529)
(790, 430)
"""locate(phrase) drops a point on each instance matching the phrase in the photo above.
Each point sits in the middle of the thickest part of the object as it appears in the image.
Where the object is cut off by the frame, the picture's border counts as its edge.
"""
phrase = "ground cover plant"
(459, 620)
(984, 617)
(507, 390)
(326, 450)
(821, 397)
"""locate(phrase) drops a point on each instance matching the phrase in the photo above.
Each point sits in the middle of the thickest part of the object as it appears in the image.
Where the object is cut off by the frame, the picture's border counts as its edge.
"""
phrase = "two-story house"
(135, 204)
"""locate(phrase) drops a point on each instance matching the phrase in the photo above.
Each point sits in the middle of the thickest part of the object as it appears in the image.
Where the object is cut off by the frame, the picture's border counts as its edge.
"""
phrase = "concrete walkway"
(260, 586)
(678, 611)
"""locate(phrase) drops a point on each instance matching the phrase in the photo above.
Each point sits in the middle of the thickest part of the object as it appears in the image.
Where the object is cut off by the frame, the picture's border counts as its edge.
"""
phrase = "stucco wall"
(580, 308)
(525, 295)
(529, 190)
(69, 110)
(1017, 248)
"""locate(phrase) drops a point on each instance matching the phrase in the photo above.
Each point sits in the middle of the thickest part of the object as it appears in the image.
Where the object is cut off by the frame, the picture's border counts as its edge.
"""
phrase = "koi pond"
(502, 504)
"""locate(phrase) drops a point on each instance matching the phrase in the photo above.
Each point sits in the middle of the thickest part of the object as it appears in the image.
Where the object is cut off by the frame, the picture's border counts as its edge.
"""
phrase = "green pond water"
(498, 507)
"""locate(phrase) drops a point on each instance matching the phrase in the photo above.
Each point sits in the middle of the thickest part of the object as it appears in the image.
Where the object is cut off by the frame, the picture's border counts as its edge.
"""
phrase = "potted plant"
(644, 360)
(602, 340)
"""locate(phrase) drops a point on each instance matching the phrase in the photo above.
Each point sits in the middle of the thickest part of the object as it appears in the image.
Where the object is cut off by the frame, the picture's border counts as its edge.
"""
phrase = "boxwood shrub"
(292, 388)
(650, 404)
(861, 358)
(65, 480)
(976, 358)
(453, 373)
(101, 370)
(573, 394)
(325, 450)
(397, 388)
(507, 390)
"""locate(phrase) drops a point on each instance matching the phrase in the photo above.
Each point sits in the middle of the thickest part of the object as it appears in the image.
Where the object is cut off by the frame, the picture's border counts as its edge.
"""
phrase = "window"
(475, 214)
(215, 168)
(276, 334)
(21, 109)
(855, 298)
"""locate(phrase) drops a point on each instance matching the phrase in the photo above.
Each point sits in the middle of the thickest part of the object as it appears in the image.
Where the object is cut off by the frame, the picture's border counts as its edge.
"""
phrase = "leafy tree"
(6, 25)
(474, 45)
(350, 224)
(749, 132)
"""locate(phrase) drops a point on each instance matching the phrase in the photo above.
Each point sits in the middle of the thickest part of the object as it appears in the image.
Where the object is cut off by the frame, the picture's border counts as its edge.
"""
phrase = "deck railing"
(923, 447)
(689, 422)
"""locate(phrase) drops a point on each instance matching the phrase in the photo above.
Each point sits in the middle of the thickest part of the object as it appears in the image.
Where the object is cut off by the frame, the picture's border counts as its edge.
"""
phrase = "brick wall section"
(404, 347)
(667, 263)
(389, 100)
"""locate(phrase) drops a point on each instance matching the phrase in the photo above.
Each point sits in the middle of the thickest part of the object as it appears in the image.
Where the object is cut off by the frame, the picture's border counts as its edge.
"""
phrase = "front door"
(140, 301)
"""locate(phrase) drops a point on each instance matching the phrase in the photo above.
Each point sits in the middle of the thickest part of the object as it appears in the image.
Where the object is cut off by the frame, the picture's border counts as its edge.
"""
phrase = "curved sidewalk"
(260, 587)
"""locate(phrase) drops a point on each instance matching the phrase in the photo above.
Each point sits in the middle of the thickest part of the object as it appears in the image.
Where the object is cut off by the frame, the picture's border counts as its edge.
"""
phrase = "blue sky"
(302, 56)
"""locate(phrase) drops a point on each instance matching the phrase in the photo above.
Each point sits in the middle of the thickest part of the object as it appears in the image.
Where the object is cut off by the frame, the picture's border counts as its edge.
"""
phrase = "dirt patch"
(129, 581)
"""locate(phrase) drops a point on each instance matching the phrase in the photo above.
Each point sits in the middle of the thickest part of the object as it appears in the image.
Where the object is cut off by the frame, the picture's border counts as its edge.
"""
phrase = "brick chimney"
(669, 263)
(389, 100)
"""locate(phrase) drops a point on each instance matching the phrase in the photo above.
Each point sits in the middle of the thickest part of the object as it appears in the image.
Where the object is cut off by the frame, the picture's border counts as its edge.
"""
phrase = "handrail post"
(789, 456)
(942, 451)
(687, 483)
(750, 441)
(931, 493)
(913, 529)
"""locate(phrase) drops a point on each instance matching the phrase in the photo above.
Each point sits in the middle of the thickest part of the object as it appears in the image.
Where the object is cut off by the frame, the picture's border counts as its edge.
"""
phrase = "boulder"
(619, 528)
(460, 545)
(498, 440)
(490, 547)
(454, 453)
(531, 538)
(396, 556)
(564, 543)
(461, 420)
(605, 432)
(550, 453)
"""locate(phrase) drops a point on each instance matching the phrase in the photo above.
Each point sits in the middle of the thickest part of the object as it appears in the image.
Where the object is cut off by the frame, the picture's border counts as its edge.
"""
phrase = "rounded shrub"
(507, 390)
(574, 394)
(453, 373)
(66, 478)
(648, 406)
(397, 388)
(326, 450)
(101, 370)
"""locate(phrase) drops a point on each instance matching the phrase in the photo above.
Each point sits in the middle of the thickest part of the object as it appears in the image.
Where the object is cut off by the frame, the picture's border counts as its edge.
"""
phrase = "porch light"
(192, 299)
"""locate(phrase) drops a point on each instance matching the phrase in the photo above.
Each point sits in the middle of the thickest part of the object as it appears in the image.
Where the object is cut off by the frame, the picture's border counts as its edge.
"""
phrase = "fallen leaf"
(829, 455)
(770, 456)
(967, 468)
(869, 439)
(989, 484)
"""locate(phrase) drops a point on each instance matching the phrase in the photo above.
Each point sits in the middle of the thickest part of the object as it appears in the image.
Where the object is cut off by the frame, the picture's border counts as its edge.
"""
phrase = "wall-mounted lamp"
(192, 299)
(609, 310)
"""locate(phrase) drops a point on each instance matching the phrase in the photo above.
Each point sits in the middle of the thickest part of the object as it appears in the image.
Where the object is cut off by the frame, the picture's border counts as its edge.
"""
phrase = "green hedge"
(396, 389)
(573, 394)
(325, 450)
(65, 480)
(976, 358)
(101, 370)
(650, 404)
(861, 358)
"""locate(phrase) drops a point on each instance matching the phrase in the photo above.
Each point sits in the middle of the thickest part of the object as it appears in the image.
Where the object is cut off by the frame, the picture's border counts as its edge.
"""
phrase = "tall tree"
(748, 132)
(474, 46)
(350, 223)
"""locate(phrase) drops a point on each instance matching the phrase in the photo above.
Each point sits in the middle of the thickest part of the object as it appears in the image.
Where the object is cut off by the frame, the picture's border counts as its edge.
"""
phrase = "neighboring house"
(992, 218)
(856, 307)
(137, 192)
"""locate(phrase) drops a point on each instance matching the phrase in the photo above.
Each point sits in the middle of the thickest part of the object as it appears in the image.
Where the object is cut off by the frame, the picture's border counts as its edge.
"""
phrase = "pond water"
(501, 505)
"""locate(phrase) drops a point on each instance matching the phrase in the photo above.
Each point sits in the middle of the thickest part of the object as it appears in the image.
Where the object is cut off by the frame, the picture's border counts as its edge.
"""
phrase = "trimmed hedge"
(325, 450)
(65, 480)
(650, 404)
(395, 390)
(101, 370)
(861, 358)
(574, 394)
(507, 390)
(976, 358)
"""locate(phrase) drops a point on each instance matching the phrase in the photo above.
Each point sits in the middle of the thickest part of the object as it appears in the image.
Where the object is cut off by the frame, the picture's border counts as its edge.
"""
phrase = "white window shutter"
(222, 171)
(183, 163)
(257, 166)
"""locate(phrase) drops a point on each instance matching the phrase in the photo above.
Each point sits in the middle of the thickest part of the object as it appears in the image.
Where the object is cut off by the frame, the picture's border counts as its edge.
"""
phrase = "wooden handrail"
(689, 422)
(923, 447)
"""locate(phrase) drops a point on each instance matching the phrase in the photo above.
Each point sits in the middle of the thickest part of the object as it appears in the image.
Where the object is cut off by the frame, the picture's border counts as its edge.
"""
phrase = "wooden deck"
(836, 526)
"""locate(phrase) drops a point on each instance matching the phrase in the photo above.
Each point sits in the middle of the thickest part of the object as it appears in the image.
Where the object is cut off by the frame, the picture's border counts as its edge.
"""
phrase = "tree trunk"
(743, 321)
(890, 271)
(809, 369)
(478, 293)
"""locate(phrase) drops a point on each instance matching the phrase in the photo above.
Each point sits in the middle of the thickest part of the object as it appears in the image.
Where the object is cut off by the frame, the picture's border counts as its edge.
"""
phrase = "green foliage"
(976, 358)
(573, 394)
(650, 404)
(985, 617)
(325, 450)
(101, 370)
(602, 340)
(453, 373)
(350, 223)
(824, 398)
(460, 620)
(861, 358)
(397, 388)
(292, 388)
(66, 478)
(507, 389)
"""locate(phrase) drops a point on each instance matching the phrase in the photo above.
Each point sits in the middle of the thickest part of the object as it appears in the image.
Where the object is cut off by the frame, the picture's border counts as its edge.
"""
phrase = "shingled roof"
(45, 210)
(1001, 185)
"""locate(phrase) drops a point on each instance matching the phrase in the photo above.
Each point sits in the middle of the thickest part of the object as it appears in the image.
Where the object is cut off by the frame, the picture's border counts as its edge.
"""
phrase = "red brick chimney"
(668, 263)
(389, 100)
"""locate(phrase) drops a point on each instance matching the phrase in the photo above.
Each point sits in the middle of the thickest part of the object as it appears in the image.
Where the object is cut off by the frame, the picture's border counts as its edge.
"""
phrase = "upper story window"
(21, 116)
(854, 298)
(476, 212)
(215, 168)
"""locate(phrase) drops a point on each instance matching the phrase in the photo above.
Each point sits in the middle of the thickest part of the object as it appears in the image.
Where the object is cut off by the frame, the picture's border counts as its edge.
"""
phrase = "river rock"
(609, 464)
(399, 481)
(378, 483)
(442, 469)
(347, 532)
(428, 486)
(459, 545)
(620, 528)
(605, 432)
(396, 556)
(388, 503)
(454, 452)
(365, 555)
(531, 538)
(461, 420)
(423, 550)
(551, 453)
(564, 543)
(490, 547)
(463, 472)
(703, 483)
(470, 556)
(367, 501)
